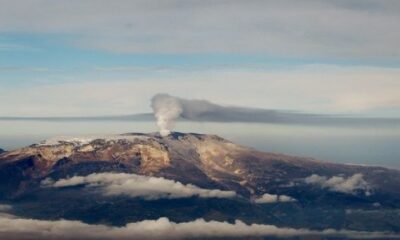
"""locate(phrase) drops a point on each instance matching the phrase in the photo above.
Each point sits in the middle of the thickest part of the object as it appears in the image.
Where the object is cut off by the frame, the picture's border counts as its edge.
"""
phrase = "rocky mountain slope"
(204, 160)
(267, 187)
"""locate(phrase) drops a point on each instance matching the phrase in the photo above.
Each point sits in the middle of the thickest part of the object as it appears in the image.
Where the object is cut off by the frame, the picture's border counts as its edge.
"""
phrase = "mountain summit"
(206, 175)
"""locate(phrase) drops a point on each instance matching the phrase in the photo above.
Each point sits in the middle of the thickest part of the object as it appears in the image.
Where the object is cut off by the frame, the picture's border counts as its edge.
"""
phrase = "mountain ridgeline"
(229, 181)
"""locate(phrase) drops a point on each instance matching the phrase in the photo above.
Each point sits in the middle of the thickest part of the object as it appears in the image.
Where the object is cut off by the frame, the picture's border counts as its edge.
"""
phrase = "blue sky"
(70, 58)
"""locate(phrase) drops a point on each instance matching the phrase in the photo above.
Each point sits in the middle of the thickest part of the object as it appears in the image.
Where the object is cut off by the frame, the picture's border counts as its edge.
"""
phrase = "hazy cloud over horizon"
(168, 109)
(318, 89)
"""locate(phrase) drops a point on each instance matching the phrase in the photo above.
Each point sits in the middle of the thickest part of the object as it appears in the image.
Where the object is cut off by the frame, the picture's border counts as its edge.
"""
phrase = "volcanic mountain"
(185, 176)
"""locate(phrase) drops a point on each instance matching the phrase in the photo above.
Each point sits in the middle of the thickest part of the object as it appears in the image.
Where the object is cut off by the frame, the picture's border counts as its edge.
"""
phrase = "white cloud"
(5, 207)
(272, 198)
(312, 28)
(139, 186)
(340, 184)
(162, 228)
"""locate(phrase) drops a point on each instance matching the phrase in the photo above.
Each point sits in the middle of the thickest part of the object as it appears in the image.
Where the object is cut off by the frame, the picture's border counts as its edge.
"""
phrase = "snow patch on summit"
(84, 140)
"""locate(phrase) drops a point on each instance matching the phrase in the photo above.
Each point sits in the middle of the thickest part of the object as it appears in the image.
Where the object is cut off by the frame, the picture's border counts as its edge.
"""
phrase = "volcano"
(119, 179)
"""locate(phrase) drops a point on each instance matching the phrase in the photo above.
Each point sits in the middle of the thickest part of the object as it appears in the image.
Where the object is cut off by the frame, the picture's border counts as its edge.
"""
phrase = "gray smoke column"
(166, 110)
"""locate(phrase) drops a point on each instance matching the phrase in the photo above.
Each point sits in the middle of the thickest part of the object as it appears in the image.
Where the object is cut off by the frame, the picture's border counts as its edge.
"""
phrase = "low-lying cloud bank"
(272, 198)
(341, 184)
(162, 228)
(133, 185)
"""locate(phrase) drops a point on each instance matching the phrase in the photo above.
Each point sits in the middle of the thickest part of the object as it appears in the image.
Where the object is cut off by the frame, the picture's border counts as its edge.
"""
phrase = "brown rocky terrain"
(204, 160)
(188, 176)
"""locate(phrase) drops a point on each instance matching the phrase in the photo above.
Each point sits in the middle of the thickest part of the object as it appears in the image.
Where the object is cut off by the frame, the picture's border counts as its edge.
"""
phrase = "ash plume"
(167, 109)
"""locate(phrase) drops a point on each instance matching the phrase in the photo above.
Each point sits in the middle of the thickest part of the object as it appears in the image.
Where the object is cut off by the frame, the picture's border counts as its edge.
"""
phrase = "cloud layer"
(340, 184)
(272, 198)
(133, 185)
(162, 228)
(310, 28)
(334, 31)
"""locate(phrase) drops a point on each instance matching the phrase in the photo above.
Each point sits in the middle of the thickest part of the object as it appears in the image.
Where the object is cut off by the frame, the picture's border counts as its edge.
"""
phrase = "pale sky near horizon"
(88, 58)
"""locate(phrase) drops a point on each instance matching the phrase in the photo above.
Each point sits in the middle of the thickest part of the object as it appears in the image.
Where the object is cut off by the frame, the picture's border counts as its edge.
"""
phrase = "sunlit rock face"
(205, 160)
(263, 187)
